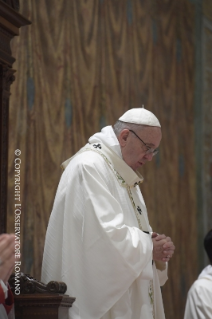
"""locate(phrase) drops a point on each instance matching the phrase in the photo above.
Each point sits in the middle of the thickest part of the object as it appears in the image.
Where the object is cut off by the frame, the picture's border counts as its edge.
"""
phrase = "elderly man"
(99, 241)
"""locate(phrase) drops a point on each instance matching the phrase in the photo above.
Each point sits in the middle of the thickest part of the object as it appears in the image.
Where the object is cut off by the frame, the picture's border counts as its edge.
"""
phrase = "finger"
(168, 251)
(6, 240)
(7, 248)
(154, 235)
(6, 235)
(159, 237)
(7, 262)
(9, 272)
(2, 236)
(169, 254)
(169, 245)
(6, 267)
(158, 246)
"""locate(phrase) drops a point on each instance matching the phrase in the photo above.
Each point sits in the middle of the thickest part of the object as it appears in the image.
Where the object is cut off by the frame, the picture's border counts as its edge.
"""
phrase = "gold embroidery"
(151, 296)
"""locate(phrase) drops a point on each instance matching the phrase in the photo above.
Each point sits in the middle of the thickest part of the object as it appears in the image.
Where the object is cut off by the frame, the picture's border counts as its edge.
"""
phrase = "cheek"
(137, 155)
(142, 155)
(130, 156)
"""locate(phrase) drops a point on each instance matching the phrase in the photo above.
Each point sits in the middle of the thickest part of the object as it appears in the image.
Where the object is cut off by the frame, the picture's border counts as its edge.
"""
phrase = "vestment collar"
(131, 177)
(206, 273)
(111, 146)
(106, 142)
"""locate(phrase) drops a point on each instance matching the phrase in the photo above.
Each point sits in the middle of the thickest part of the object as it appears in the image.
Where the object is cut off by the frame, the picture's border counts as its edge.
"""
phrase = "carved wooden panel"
(40, 306)
(6, 78)
(37, 300)
(10, 22)
(13, 3)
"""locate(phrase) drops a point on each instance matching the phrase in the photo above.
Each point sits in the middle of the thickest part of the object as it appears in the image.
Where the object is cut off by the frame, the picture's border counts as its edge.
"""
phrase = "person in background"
(199, 299)
(7, 262)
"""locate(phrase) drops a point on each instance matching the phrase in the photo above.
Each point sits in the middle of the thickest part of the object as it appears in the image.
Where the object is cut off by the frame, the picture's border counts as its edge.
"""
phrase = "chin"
(140, 166)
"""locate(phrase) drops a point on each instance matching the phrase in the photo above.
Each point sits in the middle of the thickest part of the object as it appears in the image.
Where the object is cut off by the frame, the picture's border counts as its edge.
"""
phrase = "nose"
(149, 156)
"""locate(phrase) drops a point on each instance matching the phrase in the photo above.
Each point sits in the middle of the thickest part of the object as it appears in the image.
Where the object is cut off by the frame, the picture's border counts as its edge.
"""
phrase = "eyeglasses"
(149, 149)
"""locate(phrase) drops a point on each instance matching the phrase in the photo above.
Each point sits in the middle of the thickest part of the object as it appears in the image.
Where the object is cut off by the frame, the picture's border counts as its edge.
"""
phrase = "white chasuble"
(98, 239)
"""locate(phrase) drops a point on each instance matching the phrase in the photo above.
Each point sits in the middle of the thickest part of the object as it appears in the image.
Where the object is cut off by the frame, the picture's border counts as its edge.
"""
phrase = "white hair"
(120, 126)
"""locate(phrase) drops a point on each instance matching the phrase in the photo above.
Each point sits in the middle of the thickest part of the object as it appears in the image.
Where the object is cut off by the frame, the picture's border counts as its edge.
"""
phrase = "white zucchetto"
(140, 116)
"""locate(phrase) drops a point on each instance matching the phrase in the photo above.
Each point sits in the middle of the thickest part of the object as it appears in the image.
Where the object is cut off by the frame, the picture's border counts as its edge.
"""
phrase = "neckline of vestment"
(130, 177)
(206, 273)
(108, 137)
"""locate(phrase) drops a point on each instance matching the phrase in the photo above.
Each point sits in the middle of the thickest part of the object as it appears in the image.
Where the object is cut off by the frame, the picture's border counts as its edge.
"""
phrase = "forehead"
(150, 134)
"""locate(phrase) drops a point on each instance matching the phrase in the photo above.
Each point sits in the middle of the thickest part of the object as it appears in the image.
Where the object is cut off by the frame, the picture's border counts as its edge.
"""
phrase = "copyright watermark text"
(17, 218)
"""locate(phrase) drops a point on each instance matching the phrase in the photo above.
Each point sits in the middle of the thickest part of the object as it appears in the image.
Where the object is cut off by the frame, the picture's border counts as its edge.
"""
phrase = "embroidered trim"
(97, 145)
(151, 297)
(139, 210)
(118, 176)
(134, 206)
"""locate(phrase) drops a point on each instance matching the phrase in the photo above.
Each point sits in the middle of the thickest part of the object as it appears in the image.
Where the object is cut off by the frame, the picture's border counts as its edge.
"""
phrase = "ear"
(123, 137)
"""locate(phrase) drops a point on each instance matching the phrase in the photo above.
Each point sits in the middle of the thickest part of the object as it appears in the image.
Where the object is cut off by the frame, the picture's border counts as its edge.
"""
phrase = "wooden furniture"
(10, 22)
(37, 300)
(40, 306)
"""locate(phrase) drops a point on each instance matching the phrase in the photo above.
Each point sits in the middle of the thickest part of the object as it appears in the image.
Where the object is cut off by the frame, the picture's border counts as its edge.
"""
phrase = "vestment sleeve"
(162, 268)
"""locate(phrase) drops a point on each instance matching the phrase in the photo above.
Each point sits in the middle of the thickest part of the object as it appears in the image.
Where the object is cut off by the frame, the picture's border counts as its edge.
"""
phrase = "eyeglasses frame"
(149, 149)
